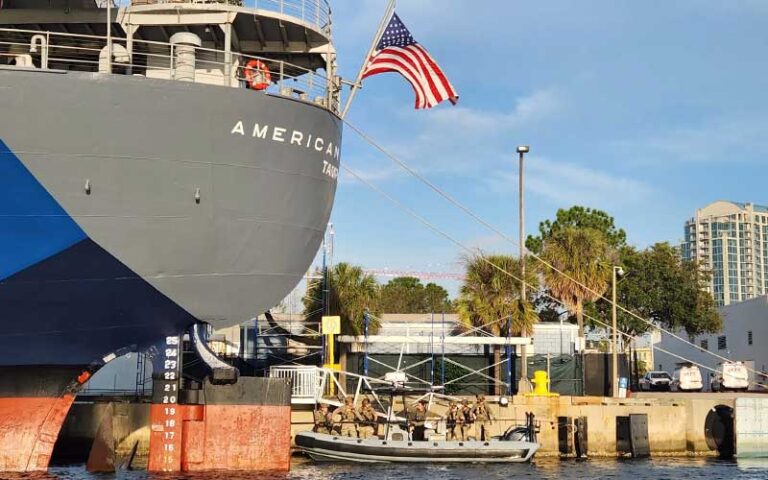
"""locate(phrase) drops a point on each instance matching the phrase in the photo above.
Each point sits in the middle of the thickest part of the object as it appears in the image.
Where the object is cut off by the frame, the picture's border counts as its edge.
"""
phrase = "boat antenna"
(402, 349)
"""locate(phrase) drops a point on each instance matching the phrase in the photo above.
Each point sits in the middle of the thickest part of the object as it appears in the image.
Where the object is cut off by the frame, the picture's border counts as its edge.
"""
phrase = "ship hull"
(131, 208)
(144, 205)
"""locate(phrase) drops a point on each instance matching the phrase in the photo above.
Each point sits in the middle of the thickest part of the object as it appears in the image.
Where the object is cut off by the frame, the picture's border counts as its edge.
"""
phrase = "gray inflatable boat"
(515, 446)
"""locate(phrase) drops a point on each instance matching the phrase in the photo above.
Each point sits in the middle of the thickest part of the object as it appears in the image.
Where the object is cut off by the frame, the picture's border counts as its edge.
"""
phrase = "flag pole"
(384, 21)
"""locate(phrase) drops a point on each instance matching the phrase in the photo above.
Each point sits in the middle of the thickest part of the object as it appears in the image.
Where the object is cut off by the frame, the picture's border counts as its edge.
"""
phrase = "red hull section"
(220, 437)
(29, 427)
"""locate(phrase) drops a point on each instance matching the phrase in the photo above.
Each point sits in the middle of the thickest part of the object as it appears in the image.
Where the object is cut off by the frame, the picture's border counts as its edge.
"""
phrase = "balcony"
(33, 49)
(316, 13)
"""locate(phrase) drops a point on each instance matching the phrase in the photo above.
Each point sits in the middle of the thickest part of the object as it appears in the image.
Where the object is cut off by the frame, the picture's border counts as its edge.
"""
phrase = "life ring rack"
(257, 75)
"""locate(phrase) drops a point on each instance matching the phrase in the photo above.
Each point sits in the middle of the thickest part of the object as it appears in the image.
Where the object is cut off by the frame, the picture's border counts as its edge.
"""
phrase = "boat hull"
(322, 447)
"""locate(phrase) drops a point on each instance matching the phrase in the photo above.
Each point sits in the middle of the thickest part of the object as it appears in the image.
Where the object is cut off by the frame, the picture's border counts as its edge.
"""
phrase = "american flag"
(397, 51)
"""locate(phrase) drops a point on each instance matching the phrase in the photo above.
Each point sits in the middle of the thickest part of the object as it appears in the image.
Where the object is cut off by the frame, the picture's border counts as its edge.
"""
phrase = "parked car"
(686, 378)
(730, 376)
(655, 381)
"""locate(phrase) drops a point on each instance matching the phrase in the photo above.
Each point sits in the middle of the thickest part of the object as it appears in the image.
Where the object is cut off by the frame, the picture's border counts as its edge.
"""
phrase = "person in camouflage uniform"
(453, 422)
(468, 423)
(345, 418)
(322, 418)
(483, 418)
(417, 421)
(366, 427)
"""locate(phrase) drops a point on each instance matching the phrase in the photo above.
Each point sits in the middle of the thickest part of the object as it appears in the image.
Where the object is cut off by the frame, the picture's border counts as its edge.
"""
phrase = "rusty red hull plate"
(220, 437)
(29, 427)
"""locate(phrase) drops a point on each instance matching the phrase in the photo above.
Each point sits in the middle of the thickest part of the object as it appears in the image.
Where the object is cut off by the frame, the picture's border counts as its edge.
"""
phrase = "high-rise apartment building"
(731, 241)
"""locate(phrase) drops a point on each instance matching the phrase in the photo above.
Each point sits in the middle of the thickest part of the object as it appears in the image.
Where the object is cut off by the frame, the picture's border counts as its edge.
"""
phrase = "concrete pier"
(677, 423)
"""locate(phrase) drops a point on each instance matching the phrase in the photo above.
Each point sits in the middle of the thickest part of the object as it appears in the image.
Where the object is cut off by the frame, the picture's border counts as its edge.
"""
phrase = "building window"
(705, 344)
(721, 344)
(749, 337)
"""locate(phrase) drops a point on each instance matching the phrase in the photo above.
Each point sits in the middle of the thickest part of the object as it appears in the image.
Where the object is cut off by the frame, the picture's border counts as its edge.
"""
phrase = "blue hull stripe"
(33, 226)
(79, 305)
(65, 300)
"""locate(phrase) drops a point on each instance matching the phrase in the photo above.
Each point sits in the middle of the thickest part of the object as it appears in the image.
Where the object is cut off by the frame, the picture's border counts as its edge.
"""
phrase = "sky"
(647, 110)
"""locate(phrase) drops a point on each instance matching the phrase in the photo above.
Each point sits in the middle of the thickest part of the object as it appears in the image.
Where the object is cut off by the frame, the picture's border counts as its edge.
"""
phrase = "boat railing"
(159, 60)
(316, 13)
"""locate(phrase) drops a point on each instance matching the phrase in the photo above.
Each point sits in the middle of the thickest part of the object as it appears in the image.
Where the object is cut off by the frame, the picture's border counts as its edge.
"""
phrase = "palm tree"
(350, 293)
(586, 259)
(490, 298)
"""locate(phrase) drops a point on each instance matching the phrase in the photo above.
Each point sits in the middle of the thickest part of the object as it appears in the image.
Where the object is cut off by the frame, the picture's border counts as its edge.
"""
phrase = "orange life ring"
(257, 75)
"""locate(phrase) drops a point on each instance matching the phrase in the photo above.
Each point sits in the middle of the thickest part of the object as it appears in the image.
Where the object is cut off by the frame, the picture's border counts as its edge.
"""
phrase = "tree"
(578, 217)
(402, 295)
(490, 296)
(436, 299)
(661, 287)
(351, 293)
(409, 295)
(583, 261)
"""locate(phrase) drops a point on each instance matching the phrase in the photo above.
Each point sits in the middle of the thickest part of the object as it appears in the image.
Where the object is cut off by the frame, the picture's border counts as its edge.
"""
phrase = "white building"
(731, 241)
(744, 336)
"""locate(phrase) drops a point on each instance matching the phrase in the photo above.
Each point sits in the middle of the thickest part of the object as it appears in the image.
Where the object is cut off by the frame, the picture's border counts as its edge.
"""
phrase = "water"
(658, 468)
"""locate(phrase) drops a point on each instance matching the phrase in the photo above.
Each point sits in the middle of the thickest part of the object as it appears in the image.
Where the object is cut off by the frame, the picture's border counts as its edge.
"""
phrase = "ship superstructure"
(174, 164)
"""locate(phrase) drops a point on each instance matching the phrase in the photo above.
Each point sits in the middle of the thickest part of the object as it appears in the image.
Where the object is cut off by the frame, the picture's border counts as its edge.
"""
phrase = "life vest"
(469, 417)
(257, 75)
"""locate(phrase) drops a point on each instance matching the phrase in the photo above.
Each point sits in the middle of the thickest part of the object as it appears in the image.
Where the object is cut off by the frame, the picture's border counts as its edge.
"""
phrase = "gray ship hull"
(157, 203)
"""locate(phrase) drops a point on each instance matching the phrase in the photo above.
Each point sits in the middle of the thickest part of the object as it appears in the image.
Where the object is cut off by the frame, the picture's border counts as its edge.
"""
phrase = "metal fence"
(305, 381)
(74, 52)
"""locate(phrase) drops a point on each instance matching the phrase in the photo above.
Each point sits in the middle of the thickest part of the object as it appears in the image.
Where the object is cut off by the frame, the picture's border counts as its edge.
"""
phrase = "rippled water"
(658, 468)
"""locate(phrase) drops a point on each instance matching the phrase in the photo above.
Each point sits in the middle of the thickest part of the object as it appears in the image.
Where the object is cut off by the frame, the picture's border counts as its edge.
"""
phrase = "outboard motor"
(522, 434)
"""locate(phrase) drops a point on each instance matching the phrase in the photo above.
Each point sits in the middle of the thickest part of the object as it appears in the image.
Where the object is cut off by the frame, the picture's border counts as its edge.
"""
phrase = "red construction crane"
(385, 272)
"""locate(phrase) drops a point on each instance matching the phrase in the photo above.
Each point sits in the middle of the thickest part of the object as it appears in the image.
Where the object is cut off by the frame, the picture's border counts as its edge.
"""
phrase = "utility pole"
(523, 386)
(615, 339)
(109, 36)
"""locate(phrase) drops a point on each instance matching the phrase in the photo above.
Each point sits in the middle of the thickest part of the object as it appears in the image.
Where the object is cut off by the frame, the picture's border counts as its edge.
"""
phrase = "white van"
(687, 378)
(730, 376)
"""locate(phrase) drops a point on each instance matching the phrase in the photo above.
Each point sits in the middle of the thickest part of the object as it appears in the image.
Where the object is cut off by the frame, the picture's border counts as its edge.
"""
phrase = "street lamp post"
(523, 386)
(617, 271)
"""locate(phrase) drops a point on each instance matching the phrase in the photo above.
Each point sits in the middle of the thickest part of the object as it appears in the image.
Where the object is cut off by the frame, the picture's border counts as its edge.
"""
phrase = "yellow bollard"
(540, 382)
(541, 385)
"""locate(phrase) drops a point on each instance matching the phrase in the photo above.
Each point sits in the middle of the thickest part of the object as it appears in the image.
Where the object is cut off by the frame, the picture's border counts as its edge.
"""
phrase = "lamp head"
(620, 271)
(523, 149)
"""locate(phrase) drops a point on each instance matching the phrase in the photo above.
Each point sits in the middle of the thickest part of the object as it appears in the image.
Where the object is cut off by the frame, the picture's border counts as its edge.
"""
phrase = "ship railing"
(160, 60)
(316, 13)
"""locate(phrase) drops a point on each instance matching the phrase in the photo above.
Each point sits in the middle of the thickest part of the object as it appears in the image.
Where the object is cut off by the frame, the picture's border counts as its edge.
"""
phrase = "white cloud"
(462, 139)
(565, 184)
(373, 175)
(539, 105)
(485, 243)
(457, 141)
(717, 141)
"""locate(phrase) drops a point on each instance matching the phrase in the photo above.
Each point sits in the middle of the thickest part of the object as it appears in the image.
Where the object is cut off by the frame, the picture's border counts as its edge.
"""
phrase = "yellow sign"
(331, 325)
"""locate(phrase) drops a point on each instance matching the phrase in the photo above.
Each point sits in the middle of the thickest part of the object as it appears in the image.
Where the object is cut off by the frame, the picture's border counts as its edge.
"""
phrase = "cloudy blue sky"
(647, 110)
